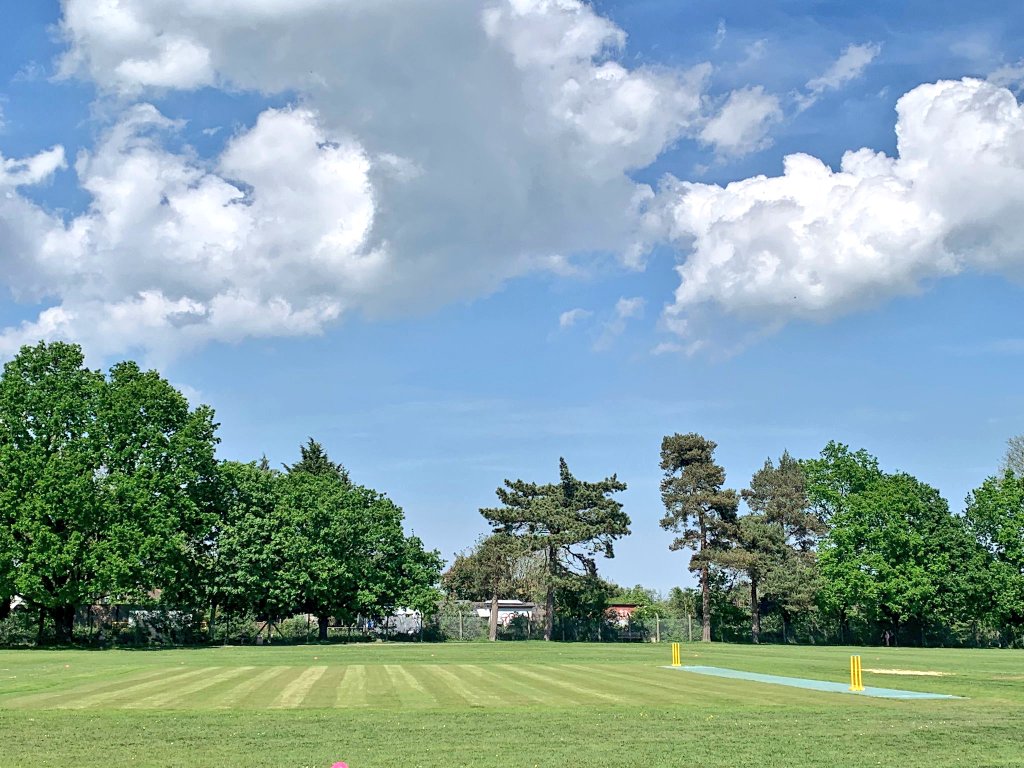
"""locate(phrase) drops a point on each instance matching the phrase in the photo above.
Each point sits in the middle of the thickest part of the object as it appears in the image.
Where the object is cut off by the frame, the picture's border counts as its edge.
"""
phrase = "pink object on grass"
(340, 765)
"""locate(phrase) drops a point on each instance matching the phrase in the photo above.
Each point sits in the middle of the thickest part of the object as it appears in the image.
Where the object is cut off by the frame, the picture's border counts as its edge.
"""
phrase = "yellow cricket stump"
(856, 674)
(676, 656)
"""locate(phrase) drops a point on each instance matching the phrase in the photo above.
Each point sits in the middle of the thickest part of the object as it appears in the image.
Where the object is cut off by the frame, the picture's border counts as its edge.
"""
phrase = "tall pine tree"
(569, 522)
(697, 507)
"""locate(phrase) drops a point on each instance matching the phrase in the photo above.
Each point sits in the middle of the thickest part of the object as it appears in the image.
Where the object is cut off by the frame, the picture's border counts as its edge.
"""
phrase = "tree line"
(110, 493)
(828, 549)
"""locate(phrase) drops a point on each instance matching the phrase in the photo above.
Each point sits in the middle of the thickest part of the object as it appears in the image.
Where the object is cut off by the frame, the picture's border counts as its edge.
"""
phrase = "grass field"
(510, 704)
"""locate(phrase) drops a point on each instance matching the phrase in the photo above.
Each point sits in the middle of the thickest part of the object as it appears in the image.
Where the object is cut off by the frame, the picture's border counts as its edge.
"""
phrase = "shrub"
(235, 629)
(17, 629)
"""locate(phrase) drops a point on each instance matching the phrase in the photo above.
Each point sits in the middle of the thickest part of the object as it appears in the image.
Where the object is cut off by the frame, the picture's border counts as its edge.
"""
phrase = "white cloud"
(441, 149)
(850, 65)
(816, 243)
(569, 318)
(629, 308)
(1009, 76)
(742, 125)
(720, 32)
(172, 253)
(32, 170)
(626, 309)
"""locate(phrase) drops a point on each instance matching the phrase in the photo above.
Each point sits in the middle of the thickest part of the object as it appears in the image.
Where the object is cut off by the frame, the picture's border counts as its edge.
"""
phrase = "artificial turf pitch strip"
(812, 685)
(508, 704)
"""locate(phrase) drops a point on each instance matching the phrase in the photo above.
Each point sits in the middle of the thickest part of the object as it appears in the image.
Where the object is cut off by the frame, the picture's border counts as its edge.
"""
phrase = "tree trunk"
(41, 630)
(549, 598)
(322, 623)
(64, 623)
(492, 623)
(212, 629)
(705, 589)
(549, 612)
(755, 613)
(5, 607)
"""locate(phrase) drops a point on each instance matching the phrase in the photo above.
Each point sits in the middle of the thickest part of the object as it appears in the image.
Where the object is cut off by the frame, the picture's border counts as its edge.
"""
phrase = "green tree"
(995, 519)
(889, 552)
(159, 475)
(491, 569)
(682, 603)
(758, 547)
(346, 551)
(418, 573)
(780, 494)
(837, 474)
(106, 486)
(777, 538)
(249, 572)
(697, 507)
(315, 461)
(582, 600)
(569, 522)
(638, 595)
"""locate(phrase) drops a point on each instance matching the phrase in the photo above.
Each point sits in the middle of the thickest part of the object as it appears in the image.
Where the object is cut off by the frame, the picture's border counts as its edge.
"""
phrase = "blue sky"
(455, 241)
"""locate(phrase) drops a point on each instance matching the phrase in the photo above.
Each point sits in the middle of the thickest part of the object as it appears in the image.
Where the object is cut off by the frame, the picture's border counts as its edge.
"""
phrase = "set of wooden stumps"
(856, 674)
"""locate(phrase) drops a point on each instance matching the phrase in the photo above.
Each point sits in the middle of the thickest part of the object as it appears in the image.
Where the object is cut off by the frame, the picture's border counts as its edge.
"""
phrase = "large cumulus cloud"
(435, 149)
(815, 243)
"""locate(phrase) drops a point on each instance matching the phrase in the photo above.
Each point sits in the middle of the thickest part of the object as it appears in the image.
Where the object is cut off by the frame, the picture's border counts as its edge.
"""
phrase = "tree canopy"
(570, 523)
(107, 484)
(697, 507)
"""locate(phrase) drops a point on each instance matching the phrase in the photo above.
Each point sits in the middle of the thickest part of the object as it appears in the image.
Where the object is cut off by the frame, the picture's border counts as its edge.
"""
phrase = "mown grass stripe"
(440, 686)
(381, 693)
(295, 692)
(352, 688)
(101, 686)
(411, 692)
(324, 690)
(476, 696)
(518, 690)
(240, 692)
(128, 692)
(553, 676)
(550, 691)
(630, 689)
(176, 694)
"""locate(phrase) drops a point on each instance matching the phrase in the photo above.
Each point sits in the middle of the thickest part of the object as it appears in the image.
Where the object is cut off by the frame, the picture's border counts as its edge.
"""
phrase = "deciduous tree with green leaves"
(837, 474)
(890, 551)
(249, 573)
(346, 550)
(995, 517)
(697, 507)
(106, 484)
(570, 523)
(492, 569)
